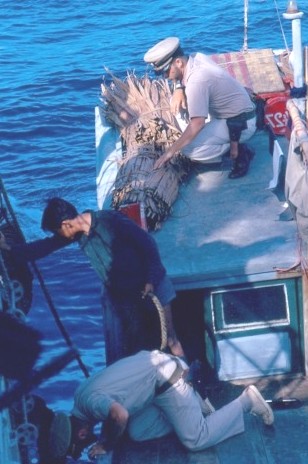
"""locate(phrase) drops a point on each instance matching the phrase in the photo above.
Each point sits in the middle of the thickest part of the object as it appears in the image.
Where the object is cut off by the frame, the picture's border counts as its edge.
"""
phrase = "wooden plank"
(247, 447)
(284, 443)
(287, 442)
(167, 450)
(264, 72)
(223, 231)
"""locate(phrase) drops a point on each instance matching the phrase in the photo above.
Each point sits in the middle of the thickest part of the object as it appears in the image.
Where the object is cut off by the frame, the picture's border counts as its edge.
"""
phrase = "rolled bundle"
(138, 182)
(140, 109)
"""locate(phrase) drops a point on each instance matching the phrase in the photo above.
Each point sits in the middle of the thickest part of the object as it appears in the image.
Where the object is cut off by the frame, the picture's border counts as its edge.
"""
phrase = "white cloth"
(296, 188)
(278, 157)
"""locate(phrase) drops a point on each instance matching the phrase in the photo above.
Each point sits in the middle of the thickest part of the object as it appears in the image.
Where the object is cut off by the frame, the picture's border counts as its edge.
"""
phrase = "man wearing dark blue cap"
(221, 112)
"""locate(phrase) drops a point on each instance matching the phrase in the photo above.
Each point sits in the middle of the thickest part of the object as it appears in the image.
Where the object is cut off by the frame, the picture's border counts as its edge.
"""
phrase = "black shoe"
(241, 163)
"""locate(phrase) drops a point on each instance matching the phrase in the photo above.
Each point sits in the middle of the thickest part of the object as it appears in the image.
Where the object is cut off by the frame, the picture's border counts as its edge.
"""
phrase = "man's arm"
(178, 101)
(194, 127)
(34, 250)
(116, 424)
(114, 428)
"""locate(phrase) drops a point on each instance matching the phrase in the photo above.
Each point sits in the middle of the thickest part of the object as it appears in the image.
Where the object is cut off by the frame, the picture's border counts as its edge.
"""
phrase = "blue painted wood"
(246, 448)
(166, 450)
(225, 231)
(284, 443)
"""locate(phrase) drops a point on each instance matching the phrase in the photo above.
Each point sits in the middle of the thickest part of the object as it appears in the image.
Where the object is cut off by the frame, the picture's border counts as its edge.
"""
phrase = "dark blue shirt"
(124, 255)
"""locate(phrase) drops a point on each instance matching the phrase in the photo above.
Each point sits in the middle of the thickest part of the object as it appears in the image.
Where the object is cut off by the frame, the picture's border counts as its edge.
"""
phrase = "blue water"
(52, 57)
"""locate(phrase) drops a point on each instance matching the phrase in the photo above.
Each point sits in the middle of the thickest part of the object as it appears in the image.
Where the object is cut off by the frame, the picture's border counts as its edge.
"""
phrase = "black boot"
(241, 163)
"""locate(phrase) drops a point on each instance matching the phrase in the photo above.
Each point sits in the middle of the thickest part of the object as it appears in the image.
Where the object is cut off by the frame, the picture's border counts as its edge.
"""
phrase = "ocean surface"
(53, 55)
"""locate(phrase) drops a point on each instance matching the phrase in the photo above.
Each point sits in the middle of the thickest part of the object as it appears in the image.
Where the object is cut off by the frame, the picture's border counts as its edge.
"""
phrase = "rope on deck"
(162, 319)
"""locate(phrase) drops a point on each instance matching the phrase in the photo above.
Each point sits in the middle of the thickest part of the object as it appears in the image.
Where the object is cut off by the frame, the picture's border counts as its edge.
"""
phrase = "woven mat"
(255, 69)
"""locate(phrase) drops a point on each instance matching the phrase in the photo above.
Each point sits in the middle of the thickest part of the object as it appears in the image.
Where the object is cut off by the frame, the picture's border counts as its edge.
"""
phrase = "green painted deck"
(223, 232)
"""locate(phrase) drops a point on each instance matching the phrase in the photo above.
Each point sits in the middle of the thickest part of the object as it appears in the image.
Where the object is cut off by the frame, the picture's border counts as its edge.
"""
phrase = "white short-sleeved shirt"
(211, 91)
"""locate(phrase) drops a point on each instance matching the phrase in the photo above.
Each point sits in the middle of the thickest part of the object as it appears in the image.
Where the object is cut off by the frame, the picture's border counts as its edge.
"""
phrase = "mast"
(294, 15)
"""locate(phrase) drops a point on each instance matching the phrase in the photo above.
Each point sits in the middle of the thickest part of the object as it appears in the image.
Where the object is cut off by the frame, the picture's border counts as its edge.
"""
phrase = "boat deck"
(283, 443)
(224, 231)
(221, 232)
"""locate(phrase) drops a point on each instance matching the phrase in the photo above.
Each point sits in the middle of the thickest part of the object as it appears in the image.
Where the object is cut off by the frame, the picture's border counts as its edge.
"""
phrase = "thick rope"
(162, 319)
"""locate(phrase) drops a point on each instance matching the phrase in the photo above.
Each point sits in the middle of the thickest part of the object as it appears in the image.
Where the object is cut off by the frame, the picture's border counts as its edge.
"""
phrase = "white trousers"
(178, 410)
(214, 140)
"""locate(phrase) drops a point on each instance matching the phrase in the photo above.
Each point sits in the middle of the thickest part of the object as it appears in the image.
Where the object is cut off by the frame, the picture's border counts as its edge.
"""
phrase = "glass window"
(260, 306)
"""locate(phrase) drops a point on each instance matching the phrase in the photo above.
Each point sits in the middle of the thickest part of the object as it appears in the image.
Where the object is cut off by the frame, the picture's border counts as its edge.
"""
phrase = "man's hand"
(113, 428)
(148, 288)
(178, 101)
(163, 159)
(96, 450)
(192, 130)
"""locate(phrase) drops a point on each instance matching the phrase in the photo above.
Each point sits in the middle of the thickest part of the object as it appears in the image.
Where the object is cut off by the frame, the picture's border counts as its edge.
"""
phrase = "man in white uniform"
(147, 395)
(221, 112)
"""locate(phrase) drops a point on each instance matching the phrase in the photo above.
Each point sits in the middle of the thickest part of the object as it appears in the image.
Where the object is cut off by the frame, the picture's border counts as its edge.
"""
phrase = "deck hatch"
(254, 329)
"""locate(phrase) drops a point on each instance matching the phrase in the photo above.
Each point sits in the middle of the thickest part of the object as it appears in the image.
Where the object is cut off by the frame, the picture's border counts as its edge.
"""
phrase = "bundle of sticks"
(140, 109)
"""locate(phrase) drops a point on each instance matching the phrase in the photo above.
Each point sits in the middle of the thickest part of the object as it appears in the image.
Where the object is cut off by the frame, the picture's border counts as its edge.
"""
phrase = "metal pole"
(245, 44)
(297, 60)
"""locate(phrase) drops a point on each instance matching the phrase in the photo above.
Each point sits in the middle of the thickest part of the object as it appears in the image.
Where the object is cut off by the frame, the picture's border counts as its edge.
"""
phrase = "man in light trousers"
(146, 395)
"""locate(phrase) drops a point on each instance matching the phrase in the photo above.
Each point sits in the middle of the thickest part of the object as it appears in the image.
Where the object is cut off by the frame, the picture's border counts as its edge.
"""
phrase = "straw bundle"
(140, 109)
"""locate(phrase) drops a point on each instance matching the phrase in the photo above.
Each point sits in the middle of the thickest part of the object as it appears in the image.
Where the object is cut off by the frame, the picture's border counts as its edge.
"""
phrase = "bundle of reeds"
(140, 109)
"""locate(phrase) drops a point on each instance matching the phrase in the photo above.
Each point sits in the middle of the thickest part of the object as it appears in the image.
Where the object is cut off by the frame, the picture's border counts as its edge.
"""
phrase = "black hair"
(77, 444)
(57, 211)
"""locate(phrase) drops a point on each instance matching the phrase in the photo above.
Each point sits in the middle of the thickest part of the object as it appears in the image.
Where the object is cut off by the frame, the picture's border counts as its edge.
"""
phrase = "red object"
(276, 114)
(135, 211)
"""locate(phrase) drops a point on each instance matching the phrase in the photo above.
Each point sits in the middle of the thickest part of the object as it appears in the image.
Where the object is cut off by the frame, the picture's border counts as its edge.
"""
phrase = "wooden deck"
(283, 443)
(221, 232)
(224, 232)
